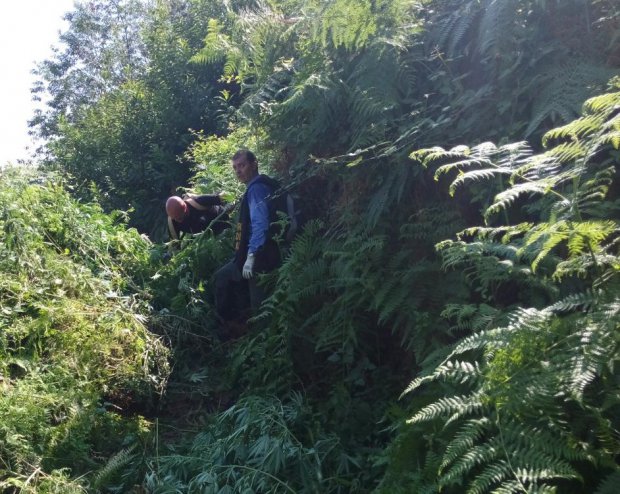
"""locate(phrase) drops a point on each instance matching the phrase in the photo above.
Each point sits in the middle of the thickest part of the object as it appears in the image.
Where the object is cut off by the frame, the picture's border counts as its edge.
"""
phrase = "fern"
(216, 44)
(471, 432)
(564, 95)
(498, 18)
(346, 23)
(455, 405)
(509, 158)
(113, 466)
(457, 28)
(253, 445)
(535, 389)
(478, 454)
(455, 372)
(609, 484)
(475, 176)
(492, 475)
(574, 302)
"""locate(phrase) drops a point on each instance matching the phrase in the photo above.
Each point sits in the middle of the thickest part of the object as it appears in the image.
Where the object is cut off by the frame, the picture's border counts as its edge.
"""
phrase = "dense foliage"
(542, 396)
(125, 101)
(75, 352)
(447, 321)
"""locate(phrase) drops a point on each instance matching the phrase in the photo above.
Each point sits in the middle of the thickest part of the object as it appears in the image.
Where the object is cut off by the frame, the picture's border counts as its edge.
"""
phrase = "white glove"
(248, 267)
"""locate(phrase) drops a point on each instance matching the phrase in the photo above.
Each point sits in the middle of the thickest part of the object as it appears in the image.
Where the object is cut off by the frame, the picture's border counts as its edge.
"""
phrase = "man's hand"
(248, 267)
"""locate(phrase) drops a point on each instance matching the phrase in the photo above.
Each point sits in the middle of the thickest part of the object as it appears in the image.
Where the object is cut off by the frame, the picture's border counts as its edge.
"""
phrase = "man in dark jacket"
(194, 214)
(255, 249)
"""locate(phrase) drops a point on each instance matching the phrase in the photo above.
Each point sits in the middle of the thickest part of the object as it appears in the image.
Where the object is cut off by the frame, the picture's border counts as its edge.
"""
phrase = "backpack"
(283, 206)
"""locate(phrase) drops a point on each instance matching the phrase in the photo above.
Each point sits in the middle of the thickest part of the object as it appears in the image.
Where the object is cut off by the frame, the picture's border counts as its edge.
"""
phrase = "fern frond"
(105, 475)
(346, 23)
(577, 129)
(588, 236)
(543, 467)
(519, 320)
(595, 350)
(475, 318)
(480, 454)
(493, 474)
(505, 199)
(602, 103)
(216, 44)
(547, 371)
(567, 152)
(452, 371)
(574, 302)
(437, 154)
(609, 485)
(497, 19)
(450, 32)
(366, 107)
(472, 431)
(544, 455)
(551, 237)
(515, 487)
(445, 406)
(475, 176)
(538, 167)
(568, 86)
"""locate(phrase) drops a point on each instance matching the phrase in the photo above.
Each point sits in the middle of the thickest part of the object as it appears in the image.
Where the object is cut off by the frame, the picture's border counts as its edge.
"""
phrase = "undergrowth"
(76, 355)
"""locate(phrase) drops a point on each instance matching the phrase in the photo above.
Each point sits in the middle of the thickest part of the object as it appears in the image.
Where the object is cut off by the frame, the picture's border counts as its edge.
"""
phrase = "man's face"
(244, 169)
(181, 213)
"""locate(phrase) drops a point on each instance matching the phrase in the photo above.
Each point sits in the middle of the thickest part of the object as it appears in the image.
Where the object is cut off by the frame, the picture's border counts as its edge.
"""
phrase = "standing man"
(255, 249)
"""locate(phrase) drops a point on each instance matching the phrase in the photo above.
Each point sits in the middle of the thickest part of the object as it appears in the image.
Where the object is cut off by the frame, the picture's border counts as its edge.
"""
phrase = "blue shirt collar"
(253, 180)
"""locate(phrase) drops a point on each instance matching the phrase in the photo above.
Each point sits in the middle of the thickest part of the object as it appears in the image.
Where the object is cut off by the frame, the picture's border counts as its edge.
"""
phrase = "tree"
(102, 49)
(126, 132)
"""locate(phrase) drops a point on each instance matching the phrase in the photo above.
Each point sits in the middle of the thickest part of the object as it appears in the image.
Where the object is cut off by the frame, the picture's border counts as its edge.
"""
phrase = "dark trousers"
(234, 295)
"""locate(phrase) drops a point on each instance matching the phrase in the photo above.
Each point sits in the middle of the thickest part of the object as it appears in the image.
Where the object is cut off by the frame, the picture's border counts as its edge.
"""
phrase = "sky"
(28, 29)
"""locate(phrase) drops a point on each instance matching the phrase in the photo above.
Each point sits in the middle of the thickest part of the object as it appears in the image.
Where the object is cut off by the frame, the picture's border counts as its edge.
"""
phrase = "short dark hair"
(245, 153)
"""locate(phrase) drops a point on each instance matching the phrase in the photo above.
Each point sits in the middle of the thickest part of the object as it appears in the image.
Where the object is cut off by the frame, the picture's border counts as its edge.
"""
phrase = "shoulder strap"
(172, 230)
(292, 217)
(267, 180)
(195, 204)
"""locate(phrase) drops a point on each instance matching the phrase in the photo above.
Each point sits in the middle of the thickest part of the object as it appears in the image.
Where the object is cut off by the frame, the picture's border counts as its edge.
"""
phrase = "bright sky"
(28, 29)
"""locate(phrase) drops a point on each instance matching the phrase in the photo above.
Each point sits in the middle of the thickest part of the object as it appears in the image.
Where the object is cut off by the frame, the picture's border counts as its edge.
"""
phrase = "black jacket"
(268, 256)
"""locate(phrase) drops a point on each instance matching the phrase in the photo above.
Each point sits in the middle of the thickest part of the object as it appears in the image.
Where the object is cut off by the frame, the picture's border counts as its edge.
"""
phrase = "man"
(193, 214)
(255, 249)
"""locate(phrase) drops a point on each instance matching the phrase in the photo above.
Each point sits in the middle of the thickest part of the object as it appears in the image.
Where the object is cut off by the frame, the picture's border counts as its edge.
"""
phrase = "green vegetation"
(542, 400)
(448, 319)
(76, 353)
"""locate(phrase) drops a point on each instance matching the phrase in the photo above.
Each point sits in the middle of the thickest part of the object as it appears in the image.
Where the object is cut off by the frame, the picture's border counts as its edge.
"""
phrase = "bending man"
(193, 214)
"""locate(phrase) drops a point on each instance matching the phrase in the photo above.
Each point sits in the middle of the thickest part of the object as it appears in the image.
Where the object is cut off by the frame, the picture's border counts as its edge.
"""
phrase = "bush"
(74, 347)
